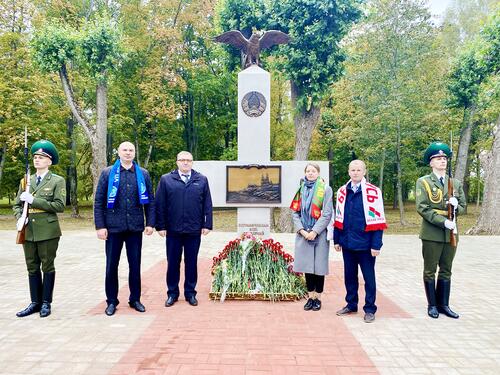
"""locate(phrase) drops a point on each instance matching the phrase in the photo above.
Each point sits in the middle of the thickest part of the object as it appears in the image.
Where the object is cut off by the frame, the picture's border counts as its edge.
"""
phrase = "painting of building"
(253, 184)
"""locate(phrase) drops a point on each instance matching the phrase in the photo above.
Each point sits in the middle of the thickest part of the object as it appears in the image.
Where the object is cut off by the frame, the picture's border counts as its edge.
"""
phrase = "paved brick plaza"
(240, 337)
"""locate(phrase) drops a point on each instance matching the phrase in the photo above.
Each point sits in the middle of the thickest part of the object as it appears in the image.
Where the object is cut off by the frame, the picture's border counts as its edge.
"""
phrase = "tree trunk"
(399, 176)
(305, 122)
(95, 134)
(478, 176)
(463, 146)
(151, 144)
(99, 142)
(381, 171)
(3, 154)
(71, 182)
(489, 219)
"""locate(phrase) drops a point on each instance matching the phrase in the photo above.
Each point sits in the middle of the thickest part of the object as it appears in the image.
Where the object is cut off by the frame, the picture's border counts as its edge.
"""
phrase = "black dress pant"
(114, 244)
(176, 243)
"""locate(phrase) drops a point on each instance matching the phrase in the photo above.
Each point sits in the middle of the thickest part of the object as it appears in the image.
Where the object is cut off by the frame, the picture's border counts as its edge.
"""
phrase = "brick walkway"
(240, 337)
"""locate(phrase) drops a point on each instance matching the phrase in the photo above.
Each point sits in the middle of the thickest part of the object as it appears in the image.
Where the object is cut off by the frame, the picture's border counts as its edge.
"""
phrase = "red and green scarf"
(317, 200)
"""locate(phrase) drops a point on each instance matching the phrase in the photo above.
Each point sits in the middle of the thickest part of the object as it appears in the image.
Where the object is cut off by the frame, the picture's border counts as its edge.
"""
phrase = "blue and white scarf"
(114, 184)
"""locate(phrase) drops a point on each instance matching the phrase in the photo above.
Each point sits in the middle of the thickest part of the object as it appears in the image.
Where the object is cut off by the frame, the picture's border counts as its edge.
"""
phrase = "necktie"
(355, 188)
(38, 180)
(185, 177)
(442, 180)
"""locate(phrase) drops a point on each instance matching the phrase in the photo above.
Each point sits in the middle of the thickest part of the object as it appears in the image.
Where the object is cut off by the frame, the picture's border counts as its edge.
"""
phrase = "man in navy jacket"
(183, 214)
(358, 246)
(124, 223)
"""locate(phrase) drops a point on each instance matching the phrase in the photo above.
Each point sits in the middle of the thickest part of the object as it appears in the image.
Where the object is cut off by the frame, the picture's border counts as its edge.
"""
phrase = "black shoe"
(192, 301)
(110, 310)
(45, 310)
(309, 304)
(137, 306)
(345, 311)
(443, 297)
(369, 318)
(170, 301)
(433, 312)
(316, 305)
(32, 308)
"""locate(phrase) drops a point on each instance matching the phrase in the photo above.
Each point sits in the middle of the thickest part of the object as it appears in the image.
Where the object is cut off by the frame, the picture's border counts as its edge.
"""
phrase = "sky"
(438, 7)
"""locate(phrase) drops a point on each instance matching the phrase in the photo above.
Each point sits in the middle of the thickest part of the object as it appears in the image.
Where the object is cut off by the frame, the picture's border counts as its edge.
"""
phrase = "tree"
(387, 106)
(26, 97)
(97, 48)
(489, 57)
(313, 57)
(464, 83)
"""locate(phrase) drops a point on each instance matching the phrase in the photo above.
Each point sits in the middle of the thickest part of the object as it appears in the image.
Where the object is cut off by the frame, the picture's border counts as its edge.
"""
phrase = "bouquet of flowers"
(250, 268)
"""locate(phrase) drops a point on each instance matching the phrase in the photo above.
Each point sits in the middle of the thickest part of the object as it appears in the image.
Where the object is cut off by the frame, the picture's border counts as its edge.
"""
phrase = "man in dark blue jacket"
(124, 195)
(360, 240)
(183, 214)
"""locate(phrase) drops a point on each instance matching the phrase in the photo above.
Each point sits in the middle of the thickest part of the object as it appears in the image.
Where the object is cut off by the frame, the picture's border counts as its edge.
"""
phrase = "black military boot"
(48, 288)
(35, 282)
(443, 298)
(430, 292)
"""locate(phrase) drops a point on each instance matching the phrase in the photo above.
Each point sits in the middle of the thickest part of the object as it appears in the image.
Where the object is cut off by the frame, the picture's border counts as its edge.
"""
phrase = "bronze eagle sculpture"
(251, 47)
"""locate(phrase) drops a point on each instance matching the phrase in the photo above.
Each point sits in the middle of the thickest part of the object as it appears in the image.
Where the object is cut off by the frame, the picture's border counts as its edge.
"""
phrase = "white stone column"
(254, 140)
(254, 133)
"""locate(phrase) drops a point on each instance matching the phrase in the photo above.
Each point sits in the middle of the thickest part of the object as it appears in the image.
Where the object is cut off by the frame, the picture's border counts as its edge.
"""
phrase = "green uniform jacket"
(49, 198)
(431, 200)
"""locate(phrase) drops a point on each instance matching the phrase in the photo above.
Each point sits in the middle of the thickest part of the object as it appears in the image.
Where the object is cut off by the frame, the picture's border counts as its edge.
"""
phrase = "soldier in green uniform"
(432, 203)
(46, 197)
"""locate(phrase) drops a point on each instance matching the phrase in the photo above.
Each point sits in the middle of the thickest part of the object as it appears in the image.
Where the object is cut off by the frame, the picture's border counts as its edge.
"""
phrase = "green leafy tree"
(95, 49)
(489, 58)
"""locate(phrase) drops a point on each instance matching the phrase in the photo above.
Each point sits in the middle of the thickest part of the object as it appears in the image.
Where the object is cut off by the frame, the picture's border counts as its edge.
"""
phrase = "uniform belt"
(35, 211)
(441, 212)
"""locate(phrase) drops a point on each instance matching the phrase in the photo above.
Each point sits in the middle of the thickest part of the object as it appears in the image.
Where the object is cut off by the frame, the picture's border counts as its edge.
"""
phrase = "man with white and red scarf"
(358, 228)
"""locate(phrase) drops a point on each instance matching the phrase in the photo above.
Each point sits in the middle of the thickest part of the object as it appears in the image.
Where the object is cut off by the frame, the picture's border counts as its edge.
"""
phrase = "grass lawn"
(225, 219)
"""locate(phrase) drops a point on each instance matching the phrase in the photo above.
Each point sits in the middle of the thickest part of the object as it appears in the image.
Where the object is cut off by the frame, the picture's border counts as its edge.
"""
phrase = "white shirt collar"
(187, 174)
(42, 176)
(438, 176)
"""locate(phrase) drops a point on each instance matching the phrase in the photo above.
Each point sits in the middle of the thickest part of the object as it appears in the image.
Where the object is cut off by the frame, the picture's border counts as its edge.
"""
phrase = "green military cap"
(436, 149)
(45, 148)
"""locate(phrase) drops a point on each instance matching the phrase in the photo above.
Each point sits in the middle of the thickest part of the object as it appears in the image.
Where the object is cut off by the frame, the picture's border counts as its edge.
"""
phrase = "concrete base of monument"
(255, 220)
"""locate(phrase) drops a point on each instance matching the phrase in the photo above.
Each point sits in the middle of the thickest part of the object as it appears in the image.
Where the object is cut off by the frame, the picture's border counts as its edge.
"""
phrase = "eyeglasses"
(185, 160)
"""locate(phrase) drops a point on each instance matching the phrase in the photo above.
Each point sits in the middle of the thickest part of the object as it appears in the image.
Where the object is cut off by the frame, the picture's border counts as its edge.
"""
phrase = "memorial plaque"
(253, 184)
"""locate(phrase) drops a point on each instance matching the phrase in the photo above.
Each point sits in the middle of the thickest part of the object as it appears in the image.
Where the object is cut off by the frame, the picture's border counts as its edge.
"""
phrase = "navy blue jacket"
(353, 236)
(128, 213)
(183, 208)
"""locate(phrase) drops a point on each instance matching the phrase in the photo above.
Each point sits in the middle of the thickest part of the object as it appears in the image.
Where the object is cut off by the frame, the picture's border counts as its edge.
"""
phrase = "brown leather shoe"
(346, 311)
(369, 318)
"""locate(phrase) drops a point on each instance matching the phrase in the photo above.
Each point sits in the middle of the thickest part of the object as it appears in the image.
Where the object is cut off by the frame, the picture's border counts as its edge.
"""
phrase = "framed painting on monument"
(253, 184)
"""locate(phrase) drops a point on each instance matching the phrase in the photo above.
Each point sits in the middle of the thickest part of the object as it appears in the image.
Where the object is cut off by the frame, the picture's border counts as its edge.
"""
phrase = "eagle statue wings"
(251, 47)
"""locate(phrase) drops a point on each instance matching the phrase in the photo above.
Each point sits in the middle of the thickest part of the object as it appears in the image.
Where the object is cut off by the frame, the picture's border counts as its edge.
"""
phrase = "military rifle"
(451, 208)
(22, 222)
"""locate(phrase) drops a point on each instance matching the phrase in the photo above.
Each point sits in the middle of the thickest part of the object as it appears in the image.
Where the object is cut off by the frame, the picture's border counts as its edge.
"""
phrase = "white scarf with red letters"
(373, 207)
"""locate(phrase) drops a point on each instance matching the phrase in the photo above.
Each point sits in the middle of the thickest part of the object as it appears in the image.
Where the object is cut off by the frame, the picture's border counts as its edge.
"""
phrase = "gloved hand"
(449, 224)
(21, 222)
(26, 197)
(453, 201)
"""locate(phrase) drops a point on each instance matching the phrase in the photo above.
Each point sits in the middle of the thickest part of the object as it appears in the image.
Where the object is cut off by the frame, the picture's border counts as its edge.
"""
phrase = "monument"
(254, 184)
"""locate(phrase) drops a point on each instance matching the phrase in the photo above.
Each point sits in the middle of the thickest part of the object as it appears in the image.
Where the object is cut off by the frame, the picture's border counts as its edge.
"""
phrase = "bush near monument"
(250, 268)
